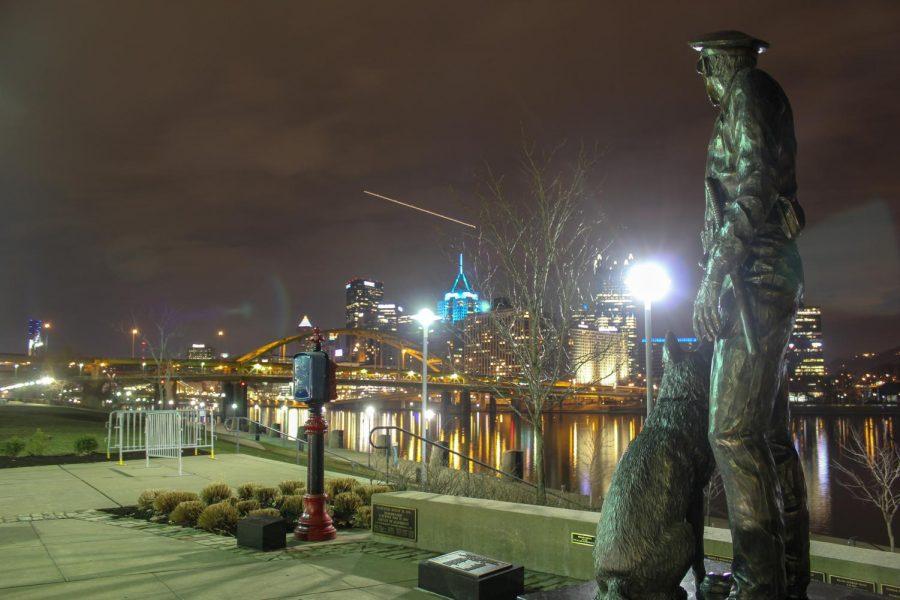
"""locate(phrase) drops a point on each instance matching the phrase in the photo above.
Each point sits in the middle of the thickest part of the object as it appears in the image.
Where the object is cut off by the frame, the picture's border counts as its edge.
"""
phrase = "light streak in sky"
(424, 210)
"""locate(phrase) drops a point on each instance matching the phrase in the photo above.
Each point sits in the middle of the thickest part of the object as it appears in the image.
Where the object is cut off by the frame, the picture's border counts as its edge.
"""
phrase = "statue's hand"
(707, 322)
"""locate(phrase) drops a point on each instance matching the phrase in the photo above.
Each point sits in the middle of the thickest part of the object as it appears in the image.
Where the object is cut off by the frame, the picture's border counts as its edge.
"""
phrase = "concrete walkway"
(54, 544)
(91, 555)
(64, 488)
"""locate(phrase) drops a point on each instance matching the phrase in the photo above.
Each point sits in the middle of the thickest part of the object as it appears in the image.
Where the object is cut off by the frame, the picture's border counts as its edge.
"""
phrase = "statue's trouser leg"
(793, 493)
(742, 398)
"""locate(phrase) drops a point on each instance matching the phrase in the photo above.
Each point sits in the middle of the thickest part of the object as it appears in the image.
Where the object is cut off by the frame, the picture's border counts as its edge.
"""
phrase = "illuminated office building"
(598, 357)
(201, 352)
(486, 351)
(805, 355)
(616, 309)
(388, 317)
(34, 339)
(363, 298)
(461, 300)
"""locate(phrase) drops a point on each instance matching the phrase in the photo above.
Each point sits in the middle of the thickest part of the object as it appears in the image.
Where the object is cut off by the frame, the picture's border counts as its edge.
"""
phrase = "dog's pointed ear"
(672, 351)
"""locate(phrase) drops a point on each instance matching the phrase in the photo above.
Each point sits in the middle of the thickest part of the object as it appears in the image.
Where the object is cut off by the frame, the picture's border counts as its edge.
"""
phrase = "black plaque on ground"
(261, 532)
(818, 576)
(465, 576)
(396, 521)
(890, 591)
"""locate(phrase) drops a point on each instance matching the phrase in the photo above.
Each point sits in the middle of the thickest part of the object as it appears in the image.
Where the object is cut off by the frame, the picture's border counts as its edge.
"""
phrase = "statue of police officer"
(749, 295)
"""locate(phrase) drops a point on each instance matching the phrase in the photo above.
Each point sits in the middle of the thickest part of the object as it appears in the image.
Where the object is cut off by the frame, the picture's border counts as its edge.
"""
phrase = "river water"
(582, 451)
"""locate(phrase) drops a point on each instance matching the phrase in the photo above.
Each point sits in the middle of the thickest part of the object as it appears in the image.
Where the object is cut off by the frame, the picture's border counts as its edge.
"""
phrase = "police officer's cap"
(728, 40)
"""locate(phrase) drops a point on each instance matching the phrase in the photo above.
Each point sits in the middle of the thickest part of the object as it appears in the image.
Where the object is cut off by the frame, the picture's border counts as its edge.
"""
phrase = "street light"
(134, 332)
(425, 318)
(48, 327)
(648, 282)
(16, 373)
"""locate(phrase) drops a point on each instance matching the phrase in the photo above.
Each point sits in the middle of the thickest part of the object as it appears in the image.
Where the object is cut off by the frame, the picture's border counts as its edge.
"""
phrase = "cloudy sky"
(210, 156)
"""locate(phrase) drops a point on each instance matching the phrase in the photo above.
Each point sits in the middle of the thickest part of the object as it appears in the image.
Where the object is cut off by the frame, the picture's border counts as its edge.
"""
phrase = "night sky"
(210, 157)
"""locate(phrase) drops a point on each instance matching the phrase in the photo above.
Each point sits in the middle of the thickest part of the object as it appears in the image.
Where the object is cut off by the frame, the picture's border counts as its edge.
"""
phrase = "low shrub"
(363, 517)
(291, 507)
(147, 498)
(344, 506)
(37, 443)
(186, 513)
(166, 502)
(85, 445)
(291, 487)
(245, 490)
(12, 447)
(334, 487)
(215, 493)
(245, 506)
(266, 496)
(219, 518)
(265, 512)
(365, 492)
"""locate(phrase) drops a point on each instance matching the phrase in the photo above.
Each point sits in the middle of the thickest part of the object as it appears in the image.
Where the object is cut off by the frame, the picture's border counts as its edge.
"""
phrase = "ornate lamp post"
(648, 282)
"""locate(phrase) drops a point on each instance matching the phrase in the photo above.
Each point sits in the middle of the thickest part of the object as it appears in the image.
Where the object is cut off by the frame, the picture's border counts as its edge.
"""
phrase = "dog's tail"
(612, 589)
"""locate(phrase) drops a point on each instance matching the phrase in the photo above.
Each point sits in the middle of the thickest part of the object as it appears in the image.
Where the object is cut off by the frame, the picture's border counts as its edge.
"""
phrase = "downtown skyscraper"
(615, 312)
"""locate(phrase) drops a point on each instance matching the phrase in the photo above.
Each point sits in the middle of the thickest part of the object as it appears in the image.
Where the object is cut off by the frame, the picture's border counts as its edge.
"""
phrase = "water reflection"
(583, 450)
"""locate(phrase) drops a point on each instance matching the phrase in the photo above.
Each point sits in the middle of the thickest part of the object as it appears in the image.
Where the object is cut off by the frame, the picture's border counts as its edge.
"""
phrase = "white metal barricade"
(159, 433)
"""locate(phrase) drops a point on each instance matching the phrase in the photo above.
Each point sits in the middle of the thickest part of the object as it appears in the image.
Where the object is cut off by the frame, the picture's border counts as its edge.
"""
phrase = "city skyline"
(219, 169)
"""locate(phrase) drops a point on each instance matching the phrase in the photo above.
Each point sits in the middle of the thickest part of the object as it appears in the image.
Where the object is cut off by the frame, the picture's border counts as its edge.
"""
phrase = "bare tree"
(538, 247)
(872, 477)
(160, 339)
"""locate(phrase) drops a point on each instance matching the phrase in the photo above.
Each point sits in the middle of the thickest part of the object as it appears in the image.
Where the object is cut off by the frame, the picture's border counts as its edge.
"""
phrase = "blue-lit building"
(461, 301)
(34, 339)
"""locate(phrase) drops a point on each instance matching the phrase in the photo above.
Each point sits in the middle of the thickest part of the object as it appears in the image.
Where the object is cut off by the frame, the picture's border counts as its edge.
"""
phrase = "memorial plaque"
(583, 539)
(818, 576)
(395, 521)
(890, 591)
(854, 584)
(466, 576)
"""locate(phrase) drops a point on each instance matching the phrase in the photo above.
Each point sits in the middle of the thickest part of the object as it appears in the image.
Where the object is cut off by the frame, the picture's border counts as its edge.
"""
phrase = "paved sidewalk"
(91, 555)
(55, 544)
(61, 488)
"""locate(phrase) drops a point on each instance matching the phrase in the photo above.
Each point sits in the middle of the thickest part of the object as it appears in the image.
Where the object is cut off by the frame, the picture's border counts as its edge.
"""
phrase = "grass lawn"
(62, 423)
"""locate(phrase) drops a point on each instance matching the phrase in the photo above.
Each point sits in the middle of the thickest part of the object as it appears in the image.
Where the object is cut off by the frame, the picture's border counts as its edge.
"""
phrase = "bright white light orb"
(425, 317)
(429, 414)
(648, 282)
(370, 411)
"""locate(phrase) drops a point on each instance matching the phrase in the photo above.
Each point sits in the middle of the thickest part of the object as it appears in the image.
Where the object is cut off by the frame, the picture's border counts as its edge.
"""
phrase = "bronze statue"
(749, 295)
(651, 527)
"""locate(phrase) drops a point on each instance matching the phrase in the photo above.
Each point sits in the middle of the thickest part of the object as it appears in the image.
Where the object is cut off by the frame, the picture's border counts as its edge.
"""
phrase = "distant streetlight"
(425, 318)
(134, 333)
(648, 282)
(16, 370)
(80, 368)
(221, 333)
(48, 327)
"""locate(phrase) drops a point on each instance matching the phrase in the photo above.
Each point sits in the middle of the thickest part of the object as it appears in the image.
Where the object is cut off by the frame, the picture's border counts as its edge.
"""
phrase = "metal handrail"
(468, 458)
(237, 431)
